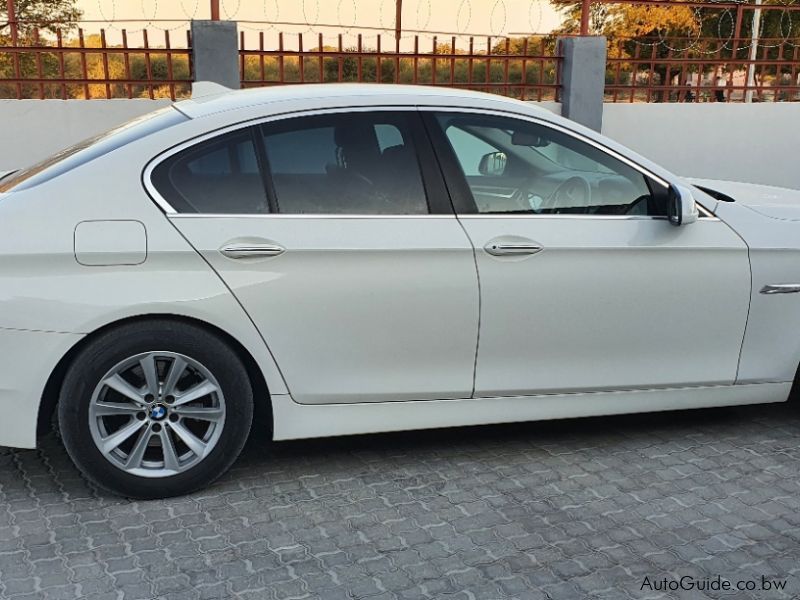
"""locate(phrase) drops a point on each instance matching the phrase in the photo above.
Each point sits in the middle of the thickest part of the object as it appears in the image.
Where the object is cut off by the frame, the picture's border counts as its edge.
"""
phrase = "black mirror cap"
(674, 208)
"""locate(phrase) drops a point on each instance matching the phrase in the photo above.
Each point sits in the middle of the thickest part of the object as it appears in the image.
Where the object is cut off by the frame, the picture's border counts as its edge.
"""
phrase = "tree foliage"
(48, 15)
(680, 31)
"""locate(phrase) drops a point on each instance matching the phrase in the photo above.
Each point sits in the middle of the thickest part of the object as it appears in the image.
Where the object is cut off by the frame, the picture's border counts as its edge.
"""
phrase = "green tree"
(704, 32)
(34, 17)
(48, 15)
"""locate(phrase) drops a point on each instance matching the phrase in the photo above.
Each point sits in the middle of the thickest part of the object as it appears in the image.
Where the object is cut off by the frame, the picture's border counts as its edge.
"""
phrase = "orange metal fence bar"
(79, 69)
(502, 69)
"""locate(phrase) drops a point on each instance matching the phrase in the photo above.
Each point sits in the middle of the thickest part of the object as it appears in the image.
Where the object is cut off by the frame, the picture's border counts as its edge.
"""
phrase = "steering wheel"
(575, 192)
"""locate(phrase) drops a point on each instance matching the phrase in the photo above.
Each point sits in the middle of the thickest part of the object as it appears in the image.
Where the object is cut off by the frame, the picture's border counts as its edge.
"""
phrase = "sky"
(495, 17)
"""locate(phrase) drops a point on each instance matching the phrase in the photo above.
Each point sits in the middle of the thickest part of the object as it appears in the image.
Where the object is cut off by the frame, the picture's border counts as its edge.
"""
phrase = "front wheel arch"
(52, 389)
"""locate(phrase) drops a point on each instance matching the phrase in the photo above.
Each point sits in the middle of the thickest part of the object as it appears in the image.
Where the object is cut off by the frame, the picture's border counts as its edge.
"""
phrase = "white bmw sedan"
(355, 259)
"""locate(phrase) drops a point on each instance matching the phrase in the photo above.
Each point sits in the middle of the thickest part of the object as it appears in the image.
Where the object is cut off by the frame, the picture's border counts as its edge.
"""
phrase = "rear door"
(335, 233)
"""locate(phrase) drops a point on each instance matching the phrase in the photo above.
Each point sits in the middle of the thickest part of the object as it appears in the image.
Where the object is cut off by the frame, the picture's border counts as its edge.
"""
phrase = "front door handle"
(516, 247)
(246, 250)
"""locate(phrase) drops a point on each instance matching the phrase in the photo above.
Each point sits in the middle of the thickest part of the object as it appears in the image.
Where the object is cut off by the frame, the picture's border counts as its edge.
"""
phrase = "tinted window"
(514, 166)
(216, 176)
(355, 163)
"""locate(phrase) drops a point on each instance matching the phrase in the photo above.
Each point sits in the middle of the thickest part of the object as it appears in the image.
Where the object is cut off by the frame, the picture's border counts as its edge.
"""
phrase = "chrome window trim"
(172, 213)
(199, 139)
(177, 215)
(564, 216)
(574, 217)
(704, 212)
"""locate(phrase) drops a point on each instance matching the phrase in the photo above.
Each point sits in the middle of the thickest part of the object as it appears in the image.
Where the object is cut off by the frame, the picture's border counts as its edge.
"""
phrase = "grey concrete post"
(583, 75)
(215, 52)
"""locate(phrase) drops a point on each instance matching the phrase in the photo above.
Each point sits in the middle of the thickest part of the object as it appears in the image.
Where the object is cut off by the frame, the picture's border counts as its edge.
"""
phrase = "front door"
(335, 233)
(585, 285)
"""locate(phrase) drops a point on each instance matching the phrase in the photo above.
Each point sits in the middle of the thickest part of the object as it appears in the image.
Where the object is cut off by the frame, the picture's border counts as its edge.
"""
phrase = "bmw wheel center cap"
(158, 412)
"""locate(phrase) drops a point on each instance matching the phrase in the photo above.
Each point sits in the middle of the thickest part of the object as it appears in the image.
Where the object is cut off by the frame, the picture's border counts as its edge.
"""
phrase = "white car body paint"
(700, 300)
(298, 421)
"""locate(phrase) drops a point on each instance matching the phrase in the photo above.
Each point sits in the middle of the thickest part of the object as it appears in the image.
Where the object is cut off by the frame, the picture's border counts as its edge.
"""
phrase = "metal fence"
(526, 68)
(52, 63)
(731, 51)
(710, 70)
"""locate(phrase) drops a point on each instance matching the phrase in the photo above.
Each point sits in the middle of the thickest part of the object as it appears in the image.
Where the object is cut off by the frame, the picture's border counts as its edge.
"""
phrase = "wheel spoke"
(168, 448)
(199, 412)
(194, 443)
(201, 389)
(136, 455)
(156, 414)
(112, 409)
(116, 438)
(118, 384)
(175, 371)
(148, 364)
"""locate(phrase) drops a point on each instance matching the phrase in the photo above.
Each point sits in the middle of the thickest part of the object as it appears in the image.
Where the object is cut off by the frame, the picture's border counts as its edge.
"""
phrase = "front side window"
(513, 166)
(354, 163)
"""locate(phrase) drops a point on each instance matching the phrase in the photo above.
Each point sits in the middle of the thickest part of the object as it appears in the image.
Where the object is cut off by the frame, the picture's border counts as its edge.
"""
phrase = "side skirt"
(298, 421)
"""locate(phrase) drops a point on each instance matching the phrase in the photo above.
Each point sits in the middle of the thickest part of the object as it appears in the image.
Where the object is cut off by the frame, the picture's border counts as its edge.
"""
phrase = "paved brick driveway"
(572, 509)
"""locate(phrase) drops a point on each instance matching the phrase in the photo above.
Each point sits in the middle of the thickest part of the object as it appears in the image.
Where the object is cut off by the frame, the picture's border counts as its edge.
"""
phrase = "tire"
(794, 393)
(131, 429)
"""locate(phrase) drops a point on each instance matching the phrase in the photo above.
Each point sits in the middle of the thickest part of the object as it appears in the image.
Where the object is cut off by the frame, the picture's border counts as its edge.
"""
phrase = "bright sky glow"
(479, 17)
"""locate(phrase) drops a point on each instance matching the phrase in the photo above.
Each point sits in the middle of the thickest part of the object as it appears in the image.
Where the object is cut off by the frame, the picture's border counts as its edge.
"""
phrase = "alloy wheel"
(157, 414)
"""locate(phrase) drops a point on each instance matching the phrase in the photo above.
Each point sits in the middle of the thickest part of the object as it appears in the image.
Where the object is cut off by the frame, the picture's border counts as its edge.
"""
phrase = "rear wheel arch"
(261, 396)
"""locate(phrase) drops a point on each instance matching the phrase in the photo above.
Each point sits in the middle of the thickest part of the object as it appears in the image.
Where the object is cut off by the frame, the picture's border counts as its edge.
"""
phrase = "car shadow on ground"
(564, 434)
(263, 461)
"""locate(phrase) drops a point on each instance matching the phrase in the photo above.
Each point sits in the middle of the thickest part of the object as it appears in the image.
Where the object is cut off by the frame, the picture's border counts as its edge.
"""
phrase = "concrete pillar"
(583, 75)
(215, 52)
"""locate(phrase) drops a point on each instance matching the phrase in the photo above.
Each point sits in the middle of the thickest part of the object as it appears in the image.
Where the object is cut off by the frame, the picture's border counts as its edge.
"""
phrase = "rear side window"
(337, 164)
(219, 176)
(91, 148)
(354, 163)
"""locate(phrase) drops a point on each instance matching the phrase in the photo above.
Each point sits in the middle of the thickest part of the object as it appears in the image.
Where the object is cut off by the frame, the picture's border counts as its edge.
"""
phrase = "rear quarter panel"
(44, 288)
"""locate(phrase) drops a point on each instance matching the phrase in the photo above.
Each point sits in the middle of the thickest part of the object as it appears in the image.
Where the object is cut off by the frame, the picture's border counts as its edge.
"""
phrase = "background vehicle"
(357, 259)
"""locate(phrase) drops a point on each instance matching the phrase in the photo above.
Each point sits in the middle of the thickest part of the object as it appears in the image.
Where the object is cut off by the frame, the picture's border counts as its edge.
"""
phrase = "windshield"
(91, 148)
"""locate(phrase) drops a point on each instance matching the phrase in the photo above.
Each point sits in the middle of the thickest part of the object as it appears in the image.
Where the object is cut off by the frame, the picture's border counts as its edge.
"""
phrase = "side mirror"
(681, 206)
(493, 164)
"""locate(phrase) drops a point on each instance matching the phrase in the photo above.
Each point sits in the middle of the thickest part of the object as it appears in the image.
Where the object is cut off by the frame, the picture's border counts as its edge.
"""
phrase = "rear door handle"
(246, 250)
(512, 248)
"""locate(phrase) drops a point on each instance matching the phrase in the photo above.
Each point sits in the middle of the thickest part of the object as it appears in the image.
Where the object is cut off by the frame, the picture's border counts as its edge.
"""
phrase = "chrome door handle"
(781, 288)
(251, 250)
(512, 248)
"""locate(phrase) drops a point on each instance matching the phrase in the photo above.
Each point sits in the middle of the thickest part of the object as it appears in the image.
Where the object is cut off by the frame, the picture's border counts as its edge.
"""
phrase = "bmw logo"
(158, 412)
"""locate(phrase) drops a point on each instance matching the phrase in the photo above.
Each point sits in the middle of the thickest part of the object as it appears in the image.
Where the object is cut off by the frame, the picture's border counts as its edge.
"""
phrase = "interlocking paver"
(573, 509)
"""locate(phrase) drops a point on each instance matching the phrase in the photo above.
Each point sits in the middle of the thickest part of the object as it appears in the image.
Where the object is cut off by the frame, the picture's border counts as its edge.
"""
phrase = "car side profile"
(353, 259)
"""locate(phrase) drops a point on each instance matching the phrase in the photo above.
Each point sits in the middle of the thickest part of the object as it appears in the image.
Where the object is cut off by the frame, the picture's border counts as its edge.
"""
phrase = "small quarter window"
(218, 176)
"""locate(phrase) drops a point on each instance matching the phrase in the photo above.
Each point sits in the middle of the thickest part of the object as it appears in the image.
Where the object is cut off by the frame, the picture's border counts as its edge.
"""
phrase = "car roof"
(397, 94)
